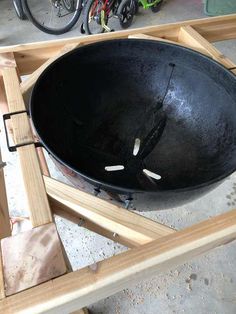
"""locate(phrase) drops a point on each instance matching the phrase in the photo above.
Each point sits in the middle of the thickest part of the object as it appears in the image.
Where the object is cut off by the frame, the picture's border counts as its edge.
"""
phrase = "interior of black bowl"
(92, 105)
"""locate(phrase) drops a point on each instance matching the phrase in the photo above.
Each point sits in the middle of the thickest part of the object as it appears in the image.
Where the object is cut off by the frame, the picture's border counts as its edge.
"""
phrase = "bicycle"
(153, 5)
(132, 7)
(98, 12)
(19, 9)
(53, 16)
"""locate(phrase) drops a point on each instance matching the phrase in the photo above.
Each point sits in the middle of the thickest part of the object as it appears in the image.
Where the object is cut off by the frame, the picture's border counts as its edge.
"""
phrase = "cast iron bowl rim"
(124, 190)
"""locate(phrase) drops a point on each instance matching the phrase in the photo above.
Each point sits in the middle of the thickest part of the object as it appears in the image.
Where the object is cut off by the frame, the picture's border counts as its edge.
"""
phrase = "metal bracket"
(13, 148)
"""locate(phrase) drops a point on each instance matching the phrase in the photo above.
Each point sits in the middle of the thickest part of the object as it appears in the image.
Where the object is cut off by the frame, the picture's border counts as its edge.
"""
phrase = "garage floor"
(207, 284)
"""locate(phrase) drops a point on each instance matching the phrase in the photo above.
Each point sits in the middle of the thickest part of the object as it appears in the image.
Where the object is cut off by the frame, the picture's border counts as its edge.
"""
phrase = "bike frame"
(106, 7)
(146, 5)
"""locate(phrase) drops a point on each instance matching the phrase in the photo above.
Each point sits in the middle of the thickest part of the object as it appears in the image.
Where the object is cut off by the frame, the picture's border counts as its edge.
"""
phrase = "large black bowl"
(91, 105)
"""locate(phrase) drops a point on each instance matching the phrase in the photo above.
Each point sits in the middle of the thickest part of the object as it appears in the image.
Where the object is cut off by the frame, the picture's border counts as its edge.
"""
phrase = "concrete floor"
(207, 284)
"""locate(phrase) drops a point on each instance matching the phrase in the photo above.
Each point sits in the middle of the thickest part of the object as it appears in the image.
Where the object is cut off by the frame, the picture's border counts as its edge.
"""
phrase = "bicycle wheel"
(136, 5)
(156, 7)
(51, 16)
(19, 10)
(93, 17)
(69, 5)
(126, 12)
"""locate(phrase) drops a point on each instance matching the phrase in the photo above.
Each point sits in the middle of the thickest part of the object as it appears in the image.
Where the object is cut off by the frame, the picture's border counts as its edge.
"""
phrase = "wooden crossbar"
(103, 217)
(38, 205)
(30, 56)
(154, 247)
(105, 278)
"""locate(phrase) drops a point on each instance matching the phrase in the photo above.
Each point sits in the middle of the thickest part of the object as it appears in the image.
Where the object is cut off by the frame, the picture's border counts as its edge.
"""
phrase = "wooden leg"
(5, 228)
(92, 283)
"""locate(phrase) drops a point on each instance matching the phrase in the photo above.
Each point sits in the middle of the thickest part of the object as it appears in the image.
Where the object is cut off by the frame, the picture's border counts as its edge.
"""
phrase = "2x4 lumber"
(217, 31)
(148, 37)
(5, 227)
(43, 162)
(105, 278)
(31, 56)
(99, 215)
(215, 23)
(188, 35)
(38, 205)
(7, 60)
(27, 85)
(28, 61)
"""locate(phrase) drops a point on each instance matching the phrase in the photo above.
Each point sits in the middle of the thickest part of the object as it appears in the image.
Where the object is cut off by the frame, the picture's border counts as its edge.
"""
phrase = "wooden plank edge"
(188, 35)
(7, 60)
(105, 278)
(26, 85)
(214, 21)
(148, 37)
(38, 205)
(5, 227)
(128, 227)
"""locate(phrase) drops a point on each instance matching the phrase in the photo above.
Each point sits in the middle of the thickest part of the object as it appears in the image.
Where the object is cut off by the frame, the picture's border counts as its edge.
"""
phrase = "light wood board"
(127, 227)
(92, 283)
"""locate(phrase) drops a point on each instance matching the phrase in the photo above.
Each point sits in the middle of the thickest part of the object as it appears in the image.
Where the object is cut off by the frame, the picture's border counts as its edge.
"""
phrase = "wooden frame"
(154, 247)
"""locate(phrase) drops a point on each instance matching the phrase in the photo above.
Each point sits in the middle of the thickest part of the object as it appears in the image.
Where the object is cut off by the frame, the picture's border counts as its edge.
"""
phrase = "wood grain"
(187, 45)
(26, 85)
(5, 228)
(31, 257)
(7, 60)
(105, 278)
(213, 24)
(188, 35)
(30, 56)
(38, 205)
(129, 228)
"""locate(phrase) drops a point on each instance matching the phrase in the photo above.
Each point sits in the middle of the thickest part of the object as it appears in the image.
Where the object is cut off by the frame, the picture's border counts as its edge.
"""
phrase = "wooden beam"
(7, 60)
(188, 35)
(99, 215)
(187, 45)
(26, 85)
(38, 205)
(30, 56)
(217, 30)
(105, 278)
(5, 227)
(215, 23)
(43, 162)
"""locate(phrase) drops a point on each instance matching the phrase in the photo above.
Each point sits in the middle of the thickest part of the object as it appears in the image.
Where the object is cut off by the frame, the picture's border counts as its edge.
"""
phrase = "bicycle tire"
(136, 4)
(121, 12)
(68, 5)
(49, 30)
(87, 8)
(19, 9)
(156, 8)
